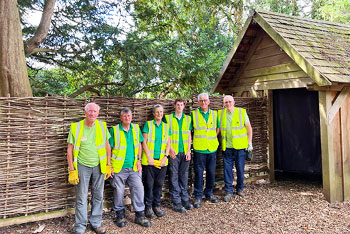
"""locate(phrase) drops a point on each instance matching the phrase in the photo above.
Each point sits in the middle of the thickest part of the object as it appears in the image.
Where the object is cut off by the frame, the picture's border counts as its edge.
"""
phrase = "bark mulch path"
(280, 207)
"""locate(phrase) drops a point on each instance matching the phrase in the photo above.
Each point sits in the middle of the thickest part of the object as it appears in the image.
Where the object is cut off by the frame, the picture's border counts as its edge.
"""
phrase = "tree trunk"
(13, 69)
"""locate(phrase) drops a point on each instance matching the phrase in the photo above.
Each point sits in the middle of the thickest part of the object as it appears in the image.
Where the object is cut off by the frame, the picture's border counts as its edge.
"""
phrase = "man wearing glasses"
(236, 137)
(205, 143)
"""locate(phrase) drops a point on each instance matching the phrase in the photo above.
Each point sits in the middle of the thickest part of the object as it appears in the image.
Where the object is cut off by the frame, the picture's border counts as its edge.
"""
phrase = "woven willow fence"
(33, 134)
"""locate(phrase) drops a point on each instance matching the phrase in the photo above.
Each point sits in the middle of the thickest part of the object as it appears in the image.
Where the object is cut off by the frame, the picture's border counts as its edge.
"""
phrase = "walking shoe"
(99, 230)
(158, 211)
(149, 213)
(241, 194)
(187, 205)
(212, 199)
(228, 197)
(141, 220)
(120, 219)
(179, 208)
(197, 203)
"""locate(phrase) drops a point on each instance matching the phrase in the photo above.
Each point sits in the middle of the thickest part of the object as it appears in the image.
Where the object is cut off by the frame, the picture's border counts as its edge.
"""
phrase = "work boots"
(141, 219)
(120, 219)
(158, 211)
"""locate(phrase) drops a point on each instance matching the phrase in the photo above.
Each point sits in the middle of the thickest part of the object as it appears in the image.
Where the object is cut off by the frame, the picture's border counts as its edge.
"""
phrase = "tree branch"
(145, 87)
(40, 50)
(43, 28)
(91, 88)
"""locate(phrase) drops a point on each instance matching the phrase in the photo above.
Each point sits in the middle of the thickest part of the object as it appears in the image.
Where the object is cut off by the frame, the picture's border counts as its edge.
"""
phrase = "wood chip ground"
(280, 207)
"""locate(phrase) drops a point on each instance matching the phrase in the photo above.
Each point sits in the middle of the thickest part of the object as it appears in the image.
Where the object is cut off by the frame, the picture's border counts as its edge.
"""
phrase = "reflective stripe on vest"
(174, 127)
(238, 130)
(77, 131)
(204, 137)
(120, 145)
(151, 141)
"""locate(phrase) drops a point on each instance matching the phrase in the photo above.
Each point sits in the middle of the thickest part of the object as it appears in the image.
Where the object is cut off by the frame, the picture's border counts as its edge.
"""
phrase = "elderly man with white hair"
(89, 158)
(205, 143)
(236, 138)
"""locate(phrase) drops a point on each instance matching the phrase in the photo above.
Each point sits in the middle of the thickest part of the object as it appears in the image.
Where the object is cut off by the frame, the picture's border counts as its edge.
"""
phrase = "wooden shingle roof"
(320, 48)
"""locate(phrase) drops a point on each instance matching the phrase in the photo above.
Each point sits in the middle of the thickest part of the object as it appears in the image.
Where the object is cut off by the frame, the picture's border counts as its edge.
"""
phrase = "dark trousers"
(204, 162)
(153, 180)
(178, 178)
(231, 156)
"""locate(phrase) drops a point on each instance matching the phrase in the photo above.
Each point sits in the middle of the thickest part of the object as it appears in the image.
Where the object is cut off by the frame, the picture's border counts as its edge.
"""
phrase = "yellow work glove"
(73, 177)
(157, 164)
(108, 171)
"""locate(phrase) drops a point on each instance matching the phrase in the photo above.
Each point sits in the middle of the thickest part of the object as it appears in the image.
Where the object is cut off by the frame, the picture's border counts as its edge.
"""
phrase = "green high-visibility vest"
(119, 149)
(151, 138)
(238, 129)
(204, 137)
(101, 131)
(175, 132)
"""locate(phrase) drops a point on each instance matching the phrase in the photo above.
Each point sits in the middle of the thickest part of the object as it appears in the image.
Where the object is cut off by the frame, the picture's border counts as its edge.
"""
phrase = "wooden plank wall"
(335, 144)
(270, 68)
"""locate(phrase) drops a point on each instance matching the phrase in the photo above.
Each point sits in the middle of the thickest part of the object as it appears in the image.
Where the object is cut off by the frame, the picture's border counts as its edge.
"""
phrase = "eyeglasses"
(203, 100)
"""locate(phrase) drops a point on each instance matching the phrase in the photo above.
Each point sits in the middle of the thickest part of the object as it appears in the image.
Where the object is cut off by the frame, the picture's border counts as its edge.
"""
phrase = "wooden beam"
(287, 67)
(293, 54)
(274, 77)
(335, 126)
(35, 217)
(315, 87)
(271, 152)
(345, 141)
(328, 167)
(338, 102)
(232, 52)
(279, 84)
(283, 84)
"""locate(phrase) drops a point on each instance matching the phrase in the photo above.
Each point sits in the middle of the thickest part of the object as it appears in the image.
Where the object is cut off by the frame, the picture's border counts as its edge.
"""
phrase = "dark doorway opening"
(297, 142)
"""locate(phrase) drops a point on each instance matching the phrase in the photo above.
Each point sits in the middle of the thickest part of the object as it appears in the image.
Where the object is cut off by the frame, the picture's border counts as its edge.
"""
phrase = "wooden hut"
(303, 67)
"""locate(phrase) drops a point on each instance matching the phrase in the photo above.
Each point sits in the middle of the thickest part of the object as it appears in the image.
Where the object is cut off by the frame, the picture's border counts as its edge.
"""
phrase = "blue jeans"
(81, 193)
(178, 178)
(134, 180)
(231, 155)
(204, 162)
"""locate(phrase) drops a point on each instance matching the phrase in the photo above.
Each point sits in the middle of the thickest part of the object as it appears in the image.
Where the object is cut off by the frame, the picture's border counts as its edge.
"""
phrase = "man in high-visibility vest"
(125, 141)
(180, 152)
(236, 138)
(156, 146)
(205, 144)
(89, 157)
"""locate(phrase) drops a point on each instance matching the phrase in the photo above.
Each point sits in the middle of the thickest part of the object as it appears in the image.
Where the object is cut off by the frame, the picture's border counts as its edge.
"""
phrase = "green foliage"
(52, 82)
(289, 7)
(158, 48)
(332, 10)
(154, 48)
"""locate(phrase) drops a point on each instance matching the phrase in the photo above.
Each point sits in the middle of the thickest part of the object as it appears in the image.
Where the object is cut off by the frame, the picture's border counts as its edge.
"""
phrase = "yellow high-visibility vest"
(175, 132)
(205, 137)
(151, 138)
(238, 129)
(101, 131)
(119, 149)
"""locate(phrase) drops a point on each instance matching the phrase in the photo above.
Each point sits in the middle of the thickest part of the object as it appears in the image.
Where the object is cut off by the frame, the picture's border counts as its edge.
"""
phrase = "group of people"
(122, 153)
